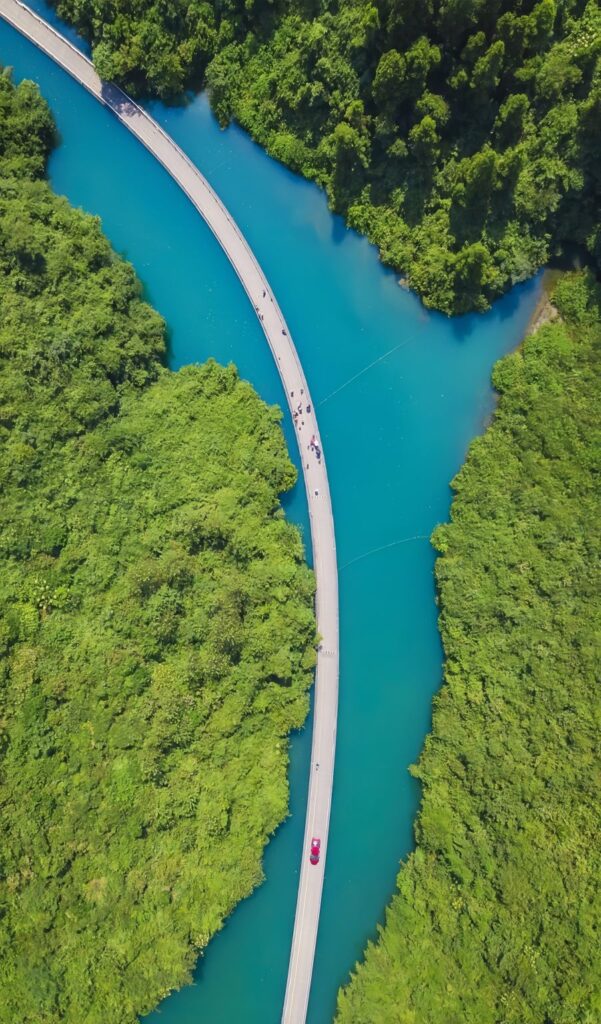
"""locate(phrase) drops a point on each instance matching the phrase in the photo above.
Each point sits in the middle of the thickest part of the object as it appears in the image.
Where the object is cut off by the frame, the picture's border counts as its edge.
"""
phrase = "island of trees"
(461, 136)
(496, 917)
(156, 620)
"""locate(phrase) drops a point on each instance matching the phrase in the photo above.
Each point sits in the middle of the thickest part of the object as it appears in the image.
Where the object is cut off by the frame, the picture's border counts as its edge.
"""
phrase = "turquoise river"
(420, 385)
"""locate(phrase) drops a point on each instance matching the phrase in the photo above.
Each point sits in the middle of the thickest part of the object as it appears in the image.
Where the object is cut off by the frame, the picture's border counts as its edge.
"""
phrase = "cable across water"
(356, 376)
(384, 547)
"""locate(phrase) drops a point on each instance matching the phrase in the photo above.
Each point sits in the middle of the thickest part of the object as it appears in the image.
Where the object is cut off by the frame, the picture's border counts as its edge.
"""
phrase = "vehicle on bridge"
(315, 847)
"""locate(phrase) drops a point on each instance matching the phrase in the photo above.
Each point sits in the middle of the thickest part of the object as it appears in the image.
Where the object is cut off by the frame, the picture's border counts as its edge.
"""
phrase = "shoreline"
(544, 312)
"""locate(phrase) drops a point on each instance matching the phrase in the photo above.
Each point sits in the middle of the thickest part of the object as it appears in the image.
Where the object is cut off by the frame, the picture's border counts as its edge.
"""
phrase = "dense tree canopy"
(462, 136)
(496, 919)
(156, 620)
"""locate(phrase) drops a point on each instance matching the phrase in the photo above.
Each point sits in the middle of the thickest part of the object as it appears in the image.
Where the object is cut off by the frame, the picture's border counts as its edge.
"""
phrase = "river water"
(400, 392)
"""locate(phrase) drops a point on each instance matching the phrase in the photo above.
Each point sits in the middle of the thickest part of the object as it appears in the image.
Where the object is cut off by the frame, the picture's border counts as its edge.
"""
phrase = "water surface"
(400, 393)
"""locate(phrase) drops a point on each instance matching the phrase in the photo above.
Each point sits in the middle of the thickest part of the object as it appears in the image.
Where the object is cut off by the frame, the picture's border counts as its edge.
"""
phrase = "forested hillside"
(496, 918)
(156, 620)
(462, 136)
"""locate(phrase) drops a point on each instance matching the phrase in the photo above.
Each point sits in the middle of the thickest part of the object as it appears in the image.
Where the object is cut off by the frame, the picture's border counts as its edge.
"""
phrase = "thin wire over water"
(356, 376)
(384, 547)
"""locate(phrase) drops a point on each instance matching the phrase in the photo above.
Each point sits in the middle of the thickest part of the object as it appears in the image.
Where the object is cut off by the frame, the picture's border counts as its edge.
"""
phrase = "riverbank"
(158, 635)
(314, 472)
(545, 311)
(431, 135)
(400, 391)
(494, 910)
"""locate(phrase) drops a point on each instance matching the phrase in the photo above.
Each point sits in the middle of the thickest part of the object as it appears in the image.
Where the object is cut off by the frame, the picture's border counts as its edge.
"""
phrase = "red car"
(314, 855)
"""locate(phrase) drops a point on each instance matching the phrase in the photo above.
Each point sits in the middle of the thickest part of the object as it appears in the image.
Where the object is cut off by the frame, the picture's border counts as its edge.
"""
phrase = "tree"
(474, 273)
(511, 120)
(487, 70)
(388, 81)
(424, 141)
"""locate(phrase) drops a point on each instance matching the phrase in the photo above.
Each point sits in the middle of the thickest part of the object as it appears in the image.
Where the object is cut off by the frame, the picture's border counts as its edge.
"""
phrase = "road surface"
(212, 210)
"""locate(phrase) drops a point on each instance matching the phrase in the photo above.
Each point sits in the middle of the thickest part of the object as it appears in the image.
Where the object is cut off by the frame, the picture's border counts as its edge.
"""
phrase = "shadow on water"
(117, 100)
(464, 327)
(339, 229)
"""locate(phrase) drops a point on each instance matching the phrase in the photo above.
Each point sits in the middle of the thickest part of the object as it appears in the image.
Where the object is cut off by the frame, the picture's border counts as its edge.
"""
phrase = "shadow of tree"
(116, 99)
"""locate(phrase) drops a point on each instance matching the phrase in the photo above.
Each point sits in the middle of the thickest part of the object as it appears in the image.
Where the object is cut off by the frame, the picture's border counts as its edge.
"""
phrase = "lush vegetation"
(496, 919)
(156, 631)
(462, 136)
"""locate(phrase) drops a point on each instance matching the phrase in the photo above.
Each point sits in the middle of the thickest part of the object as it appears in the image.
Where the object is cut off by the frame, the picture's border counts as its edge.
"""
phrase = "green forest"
(157, 634)
(461, 136)
(496, 917)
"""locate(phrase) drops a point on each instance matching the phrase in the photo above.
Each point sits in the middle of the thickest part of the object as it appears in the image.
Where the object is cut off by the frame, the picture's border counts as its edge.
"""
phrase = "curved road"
(210, 207)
